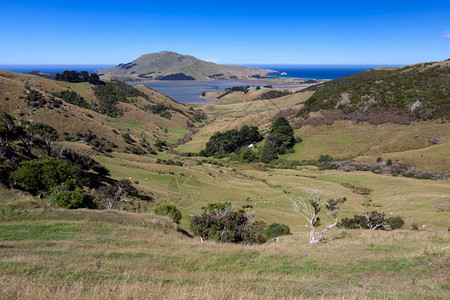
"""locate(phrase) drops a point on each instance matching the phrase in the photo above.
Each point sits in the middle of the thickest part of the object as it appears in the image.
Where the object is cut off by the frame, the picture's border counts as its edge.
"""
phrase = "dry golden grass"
(72, 119)
(130, 256)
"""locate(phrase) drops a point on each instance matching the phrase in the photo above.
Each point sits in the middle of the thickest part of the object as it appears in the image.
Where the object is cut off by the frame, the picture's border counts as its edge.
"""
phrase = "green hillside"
(418, 92)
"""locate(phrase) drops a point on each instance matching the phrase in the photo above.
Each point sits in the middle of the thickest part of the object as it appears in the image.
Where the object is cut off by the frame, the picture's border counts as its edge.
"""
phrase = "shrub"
(396, 222)
(69, 196)
(43, 174)
(373, 221)
(169, 210)
(415, 226)
(275, 229)
(220, 223)
(217, 207)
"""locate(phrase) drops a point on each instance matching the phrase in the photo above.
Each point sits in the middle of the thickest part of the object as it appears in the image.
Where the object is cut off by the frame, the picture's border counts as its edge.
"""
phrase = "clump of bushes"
(373, 220)
(169, 210)
(275, 230)
(221, 223)
(69, 195)
(41, 175)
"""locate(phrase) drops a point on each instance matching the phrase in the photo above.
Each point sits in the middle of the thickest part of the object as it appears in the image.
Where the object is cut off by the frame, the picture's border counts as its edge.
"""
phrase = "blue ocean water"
(53, 69)
(318, 71)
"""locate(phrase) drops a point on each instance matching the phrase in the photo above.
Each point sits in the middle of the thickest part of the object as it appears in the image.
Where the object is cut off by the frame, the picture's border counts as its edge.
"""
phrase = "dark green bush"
(275, 230)
(169, 210)
(396, 222)
(41, 175)
(69, 196)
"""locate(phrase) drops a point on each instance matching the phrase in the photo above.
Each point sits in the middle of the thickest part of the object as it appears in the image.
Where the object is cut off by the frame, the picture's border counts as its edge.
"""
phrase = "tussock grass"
(118, 256)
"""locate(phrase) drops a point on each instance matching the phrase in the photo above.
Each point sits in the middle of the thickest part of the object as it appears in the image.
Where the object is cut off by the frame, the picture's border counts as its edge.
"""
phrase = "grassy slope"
(98, 255)
(401, 143)
(426, 83)
(73, 119)
(252, 95)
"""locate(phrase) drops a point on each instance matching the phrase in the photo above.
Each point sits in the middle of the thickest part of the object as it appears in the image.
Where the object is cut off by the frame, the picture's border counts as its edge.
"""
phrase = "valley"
(153, 143)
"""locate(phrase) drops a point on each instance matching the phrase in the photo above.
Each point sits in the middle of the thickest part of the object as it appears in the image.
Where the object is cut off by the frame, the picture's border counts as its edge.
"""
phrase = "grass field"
(99, 254)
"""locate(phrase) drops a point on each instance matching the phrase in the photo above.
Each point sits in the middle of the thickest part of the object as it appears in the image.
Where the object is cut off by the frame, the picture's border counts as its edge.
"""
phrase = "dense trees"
(279, 140)
(83, 76)
(110, 94)
(229, 141)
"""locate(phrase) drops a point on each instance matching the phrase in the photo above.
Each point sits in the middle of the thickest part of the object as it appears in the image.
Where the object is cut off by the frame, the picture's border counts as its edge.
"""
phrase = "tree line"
(75, 76)
(278, 140)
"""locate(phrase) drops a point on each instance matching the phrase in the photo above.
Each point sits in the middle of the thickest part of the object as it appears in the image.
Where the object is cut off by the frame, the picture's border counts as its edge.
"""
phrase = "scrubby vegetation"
(326, 162)
(373, 220)
(221, 223)
(110, 94)
(73, 98)
(169, 210)
(420, 89)
(63, 177)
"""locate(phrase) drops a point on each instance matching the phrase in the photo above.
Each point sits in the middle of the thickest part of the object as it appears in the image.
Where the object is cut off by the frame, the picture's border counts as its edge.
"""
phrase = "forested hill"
(168, 65)
(421, 91)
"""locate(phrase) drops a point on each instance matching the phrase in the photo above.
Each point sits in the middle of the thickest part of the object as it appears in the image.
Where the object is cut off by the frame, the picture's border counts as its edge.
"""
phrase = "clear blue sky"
(229, 31)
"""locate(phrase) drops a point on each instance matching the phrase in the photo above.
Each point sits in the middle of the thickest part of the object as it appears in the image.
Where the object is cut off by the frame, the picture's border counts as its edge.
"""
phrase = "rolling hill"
(383, 95)
(108, 112)
(168, 65)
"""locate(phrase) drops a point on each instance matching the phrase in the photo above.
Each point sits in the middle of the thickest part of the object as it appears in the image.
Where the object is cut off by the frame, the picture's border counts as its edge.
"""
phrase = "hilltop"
(168, 65)
(383, 95)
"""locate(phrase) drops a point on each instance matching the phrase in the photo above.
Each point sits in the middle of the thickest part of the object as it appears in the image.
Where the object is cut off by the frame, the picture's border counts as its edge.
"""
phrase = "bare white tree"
(310, 207)
(110, 196)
